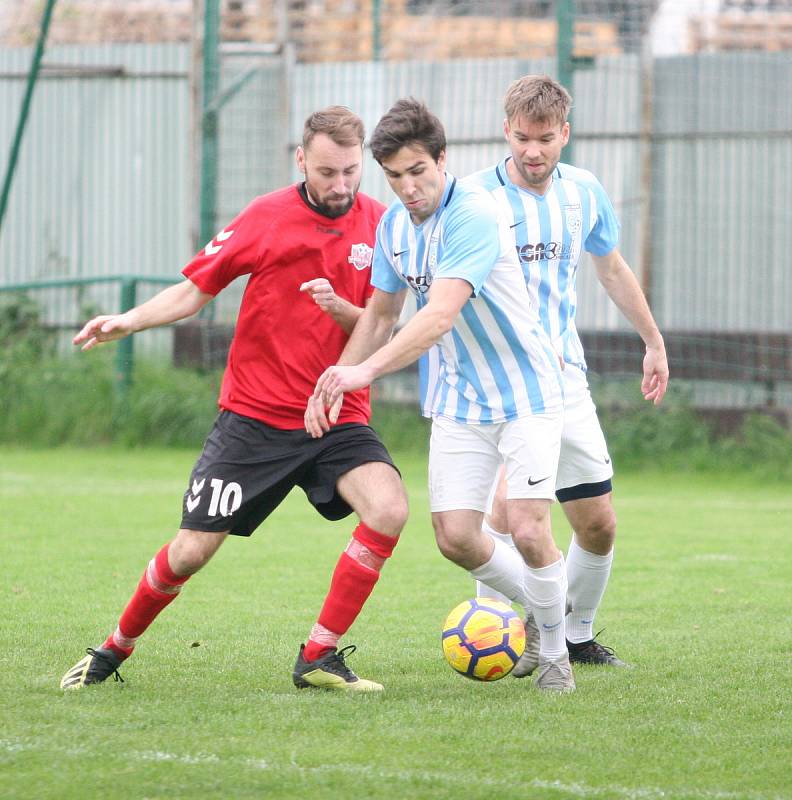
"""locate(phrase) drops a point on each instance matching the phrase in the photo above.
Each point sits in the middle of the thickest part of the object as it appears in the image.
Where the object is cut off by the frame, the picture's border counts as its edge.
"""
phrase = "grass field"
(699, 602)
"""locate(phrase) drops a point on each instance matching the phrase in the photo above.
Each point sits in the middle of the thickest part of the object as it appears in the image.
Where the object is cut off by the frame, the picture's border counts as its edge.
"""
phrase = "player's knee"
(449, 548)
(448, 541)
(599, 532)
(191, 550)
(389, 514)
(533, 537)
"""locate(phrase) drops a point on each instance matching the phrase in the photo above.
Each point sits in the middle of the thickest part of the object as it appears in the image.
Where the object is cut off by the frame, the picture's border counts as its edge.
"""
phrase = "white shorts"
(464, 458)
(584, 454)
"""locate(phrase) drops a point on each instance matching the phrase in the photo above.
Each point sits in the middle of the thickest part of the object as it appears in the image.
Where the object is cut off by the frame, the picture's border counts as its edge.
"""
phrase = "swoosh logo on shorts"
(532, 482)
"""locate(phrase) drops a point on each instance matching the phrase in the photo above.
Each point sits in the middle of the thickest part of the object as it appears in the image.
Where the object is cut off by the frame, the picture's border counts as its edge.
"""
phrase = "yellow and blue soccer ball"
(483, 639)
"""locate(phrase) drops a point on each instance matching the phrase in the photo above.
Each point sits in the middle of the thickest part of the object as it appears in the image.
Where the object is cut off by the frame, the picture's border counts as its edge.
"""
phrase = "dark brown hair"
(408, 123)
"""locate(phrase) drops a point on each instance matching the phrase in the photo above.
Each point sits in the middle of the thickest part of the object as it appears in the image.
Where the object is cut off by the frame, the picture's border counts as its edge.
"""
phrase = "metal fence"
(695, 150)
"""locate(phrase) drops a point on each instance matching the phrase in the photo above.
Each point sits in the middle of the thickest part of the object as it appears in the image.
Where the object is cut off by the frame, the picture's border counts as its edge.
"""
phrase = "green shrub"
(640, 434)
(168, 406)
(53, 401)
(763, 446)
(50, 400)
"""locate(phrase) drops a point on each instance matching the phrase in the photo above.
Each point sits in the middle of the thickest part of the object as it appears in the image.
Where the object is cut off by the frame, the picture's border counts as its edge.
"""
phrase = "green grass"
(699, 601)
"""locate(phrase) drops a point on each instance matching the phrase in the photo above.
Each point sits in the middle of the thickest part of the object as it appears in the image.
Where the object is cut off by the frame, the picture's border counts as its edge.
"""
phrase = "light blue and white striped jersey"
(550, 232)
(496, 363)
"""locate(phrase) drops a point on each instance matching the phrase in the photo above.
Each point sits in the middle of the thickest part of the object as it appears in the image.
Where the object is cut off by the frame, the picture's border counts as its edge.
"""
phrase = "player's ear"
(506, 128)
(299, 157)
(565, 133)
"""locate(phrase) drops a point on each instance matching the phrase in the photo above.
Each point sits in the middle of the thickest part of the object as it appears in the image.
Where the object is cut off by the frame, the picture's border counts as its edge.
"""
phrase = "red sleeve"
(234, 251)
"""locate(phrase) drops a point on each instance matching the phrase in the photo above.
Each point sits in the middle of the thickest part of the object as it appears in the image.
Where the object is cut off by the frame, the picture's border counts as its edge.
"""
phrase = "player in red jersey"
(307, 251)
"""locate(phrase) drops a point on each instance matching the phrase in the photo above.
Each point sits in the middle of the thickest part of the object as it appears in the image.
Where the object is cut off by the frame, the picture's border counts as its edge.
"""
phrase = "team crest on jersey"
(360, 256)
(574, 219)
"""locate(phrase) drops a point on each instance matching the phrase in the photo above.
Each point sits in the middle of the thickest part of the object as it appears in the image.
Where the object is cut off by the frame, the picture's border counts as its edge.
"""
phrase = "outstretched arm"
(623, 288)
(171, 304)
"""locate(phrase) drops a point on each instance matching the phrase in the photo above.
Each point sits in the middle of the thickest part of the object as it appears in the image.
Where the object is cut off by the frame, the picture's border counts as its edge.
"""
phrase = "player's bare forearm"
(424, 329)
(174, 303)
(623, 288)
(344, 313)
(374, 327)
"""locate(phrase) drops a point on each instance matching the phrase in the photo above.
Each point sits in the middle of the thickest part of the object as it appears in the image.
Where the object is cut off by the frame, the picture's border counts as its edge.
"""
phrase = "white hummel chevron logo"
(195, 496)
(211, 249)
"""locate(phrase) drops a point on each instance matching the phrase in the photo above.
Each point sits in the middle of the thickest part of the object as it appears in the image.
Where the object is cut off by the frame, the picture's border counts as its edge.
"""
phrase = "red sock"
(350, 587)
(158, 587)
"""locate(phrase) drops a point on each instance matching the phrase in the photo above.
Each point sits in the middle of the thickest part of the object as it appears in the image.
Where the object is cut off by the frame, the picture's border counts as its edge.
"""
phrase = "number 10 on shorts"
(226, 498)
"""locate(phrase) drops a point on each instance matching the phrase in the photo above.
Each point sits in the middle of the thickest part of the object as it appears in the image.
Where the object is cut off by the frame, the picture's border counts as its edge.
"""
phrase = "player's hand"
(322, 292)
(655, 375)
(336, 381)
(106, 328)
(317, 419)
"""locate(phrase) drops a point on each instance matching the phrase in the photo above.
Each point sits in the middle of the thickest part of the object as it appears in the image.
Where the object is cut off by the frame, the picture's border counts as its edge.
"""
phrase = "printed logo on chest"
(573, 219)
(360, 256)
(543, 251)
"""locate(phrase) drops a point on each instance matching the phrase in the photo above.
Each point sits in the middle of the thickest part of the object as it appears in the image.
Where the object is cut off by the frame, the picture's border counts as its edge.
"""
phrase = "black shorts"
(247, 468)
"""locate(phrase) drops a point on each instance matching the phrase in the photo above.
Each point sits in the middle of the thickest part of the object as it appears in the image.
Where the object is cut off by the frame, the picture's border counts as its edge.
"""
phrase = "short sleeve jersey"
(283, 341)
(550, 232)
(496, 364)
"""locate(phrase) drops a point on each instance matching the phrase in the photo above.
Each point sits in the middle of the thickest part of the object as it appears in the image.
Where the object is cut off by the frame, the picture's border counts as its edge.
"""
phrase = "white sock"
(504, 572)
(588, 575)
(482, 590)
(546, 589)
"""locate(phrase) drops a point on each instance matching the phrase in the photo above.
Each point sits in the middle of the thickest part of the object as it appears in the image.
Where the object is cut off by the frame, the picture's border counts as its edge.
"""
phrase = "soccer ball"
(483, 639)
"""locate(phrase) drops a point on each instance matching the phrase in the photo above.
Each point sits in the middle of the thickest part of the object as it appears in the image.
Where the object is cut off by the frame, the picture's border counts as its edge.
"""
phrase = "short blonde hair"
(537, 98)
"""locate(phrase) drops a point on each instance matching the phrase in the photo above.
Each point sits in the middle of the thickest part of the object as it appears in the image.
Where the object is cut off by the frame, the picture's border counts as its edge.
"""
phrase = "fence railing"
(127, 299)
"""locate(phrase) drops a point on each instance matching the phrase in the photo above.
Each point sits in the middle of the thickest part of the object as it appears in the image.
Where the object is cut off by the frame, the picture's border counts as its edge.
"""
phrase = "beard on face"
(534, 178)
(331, 205)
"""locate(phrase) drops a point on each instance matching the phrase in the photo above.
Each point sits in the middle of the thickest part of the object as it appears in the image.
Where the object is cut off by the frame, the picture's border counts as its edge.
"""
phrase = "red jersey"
(283, 341)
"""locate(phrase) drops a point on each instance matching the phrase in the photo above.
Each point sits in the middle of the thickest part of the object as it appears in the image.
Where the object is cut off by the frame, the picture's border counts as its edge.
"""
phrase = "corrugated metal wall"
(722, 227)
(104, 182)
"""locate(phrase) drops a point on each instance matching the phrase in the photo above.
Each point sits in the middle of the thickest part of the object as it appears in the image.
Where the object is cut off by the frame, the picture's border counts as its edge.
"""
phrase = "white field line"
(432, 777)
